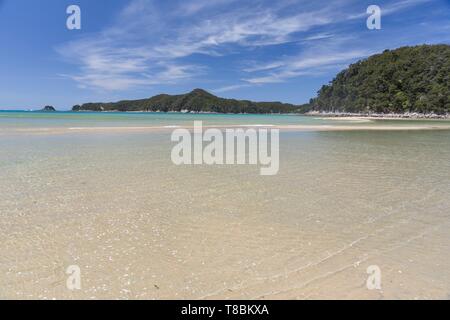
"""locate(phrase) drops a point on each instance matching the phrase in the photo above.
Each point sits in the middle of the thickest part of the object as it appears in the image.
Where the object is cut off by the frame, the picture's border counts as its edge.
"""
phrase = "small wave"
(347, 119)
(257, 125)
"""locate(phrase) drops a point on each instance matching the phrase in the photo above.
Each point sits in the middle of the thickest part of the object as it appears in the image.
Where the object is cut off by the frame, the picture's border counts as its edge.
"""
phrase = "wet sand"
(298, 128)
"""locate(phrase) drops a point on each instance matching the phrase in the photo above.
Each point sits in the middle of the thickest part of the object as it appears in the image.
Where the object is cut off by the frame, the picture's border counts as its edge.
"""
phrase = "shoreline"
(346, 115)
(380, 116)
(155, 112)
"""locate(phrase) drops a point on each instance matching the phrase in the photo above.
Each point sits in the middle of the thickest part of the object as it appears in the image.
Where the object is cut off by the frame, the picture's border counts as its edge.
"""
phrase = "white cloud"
(147, 43)
(323, 55)
(196, 6)
(230, 88)
(319, 36)
(151, 42)
(390, 8)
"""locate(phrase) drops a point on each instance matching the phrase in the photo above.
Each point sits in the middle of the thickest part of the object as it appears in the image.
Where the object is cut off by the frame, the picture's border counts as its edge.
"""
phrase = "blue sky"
(282, 50)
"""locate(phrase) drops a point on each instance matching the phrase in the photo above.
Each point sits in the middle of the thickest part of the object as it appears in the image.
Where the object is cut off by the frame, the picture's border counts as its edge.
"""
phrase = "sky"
(260, 50)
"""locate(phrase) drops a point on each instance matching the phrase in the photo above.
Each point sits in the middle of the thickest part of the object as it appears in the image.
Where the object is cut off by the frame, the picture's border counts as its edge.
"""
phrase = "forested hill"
(196, 101)
(408, 79)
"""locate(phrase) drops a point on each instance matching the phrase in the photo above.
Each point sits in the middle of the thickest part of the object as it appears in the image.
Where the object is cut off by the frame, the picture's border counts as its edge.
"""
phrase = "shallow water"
(120, 119)
(27, 120)
(140, 227)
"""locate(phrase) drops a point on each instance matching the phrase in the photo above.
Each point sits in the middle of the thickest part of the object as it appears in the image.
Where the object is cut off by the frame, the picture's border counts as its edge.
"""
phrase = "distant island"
(198, 100)
(406, 82)
(48, 109)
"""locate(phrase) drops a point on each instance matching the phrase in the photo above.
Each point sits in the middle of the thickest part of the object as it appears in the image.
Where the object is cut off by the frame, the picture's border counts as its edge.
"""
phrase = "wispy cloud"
(153, 42)
(230, 88)
(196, 6)
(391, 8)
(319, 36)
(148, 44)
(308, 65)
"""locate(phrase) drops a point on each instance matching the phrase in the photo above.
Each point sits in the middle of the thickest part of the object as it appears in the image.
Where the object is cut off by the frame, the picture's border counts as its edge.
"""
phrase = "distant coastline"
(323, 114)
(407, 115)
(380, 116)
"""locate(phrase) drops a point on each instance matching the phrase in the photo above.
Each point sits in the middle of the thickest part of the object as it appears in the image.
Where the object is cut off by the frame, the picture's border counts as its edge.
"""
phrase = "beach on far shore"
(380, 116)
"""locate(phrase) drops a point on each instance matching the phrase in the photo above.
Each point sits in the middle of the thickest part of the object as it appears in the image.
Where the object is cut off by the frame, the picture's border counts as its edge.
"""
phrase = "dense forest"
(408, 79)
(196, 101)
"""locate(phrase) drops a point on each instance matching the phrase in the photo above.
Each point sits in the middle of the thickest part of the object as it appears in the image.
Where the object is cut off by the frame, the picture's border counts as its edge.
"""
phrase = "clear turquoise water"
(69, 119)
(23, 119)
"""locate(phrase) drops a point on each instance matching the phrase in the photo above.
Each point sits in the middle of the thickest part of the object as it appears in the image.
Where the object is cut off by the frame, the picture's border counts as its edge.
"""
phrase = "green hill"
(408, 79)
(196, 101)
